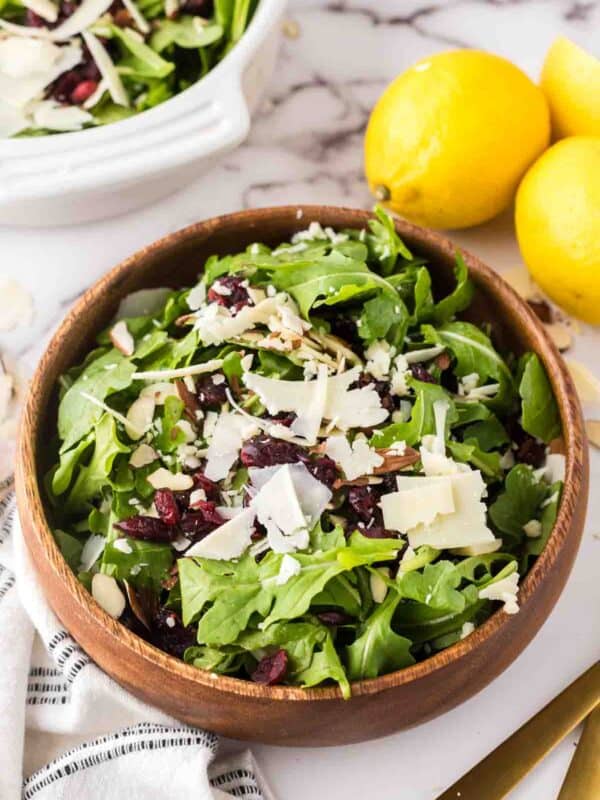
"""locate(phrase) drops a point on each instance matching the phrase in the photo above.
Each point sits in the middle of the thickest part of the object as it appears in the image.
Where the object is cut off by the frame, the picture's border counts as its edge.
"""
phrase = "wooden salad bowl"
(280, 714)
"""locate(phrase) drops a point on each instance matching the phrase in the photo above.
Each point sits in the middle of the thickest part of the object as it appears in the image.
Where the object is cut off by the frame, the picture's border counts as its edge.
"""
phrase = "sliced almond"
(560, 335)
(160, 391)
(122, 339)
(106, 592)
(586, 383)
(188, 398)
(393, 461)
(378, 586)
(143, 603)
(139, 417)
(142, 456)
(163, 479)
(592, 428)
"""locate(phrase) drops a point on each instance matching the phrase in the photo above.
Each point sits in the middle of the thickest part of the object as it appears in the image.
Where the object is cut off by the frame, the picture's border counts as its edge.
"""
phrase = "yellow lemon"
(557, 216)
(450, 139)
(571, 83)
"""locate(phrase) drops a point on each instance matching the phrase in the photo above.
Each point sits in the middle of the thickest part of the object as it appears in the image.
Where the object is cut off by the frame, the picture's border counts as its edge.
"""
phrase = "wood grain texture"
(278, 714)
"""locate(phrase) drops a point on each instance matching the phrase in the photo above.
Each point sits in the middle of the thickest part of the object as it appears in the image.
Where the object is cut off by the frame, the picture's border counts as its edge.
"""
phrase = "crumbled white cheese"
(467, 383)
(467, 629)
(507, 460)
(533, 528)
(229, 540)
(215, 323)
(504, 590)
(142, 456)
(400, 372)
(355, 460)
(123, 546)
(555, 467)
(379, 359)
(164, 479)
(288, 569)
(197, 496)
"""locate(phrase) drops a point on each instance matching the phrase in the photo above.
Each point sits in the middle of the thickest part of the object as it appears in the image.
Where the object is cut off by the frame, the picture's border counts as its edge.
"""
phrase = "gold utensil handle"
(500, 771)
(582, 781)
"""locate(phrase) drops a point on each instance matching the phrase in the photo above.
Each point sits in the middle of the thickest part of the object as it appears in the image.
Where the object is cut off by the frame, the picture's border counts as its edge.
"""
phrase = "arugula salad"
(305, 469)
(72, 64)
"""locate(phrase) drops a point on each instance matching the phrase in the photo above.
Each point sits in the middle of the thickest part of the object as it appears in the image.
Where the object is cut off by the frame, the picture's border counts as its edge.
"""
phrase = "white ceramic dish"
(102, 172)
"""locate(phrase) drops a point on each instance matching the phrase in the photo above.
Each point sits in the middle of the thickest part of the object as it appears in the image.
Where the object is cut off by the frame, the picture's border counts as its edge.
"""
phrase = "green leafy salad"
(305, 469)
(72, 64)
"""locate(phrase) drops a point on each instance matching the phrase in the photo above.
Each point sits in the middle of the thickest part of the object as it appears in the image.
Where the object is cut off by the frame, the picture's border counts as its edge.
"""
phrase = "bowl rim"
(29, 489)
(234, 61)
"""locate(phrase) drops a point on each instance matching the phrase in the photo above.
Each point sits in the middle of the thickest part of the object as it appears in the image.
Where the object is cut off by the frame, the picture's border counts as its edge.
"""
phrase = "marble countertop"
(306, 146)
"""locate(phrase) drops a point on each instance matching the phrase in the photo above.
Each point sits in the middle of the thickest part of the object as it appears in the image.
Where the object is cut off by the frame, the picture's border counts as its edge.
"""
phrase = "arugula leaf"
(483, 569)
(184, 32)
(487, 434)
(170, 436)
(70, 546)
(63, 474)
(469, 453)
(421, 623)
(518, 503)
(422, 420)
(384, 243)
(234, 589)
(212, 659)
(335, 278)
(474, 352)
(137, 59)
(105, 375)
(533, 547)
(378, 648)
(459, 299)
(147, 565)
(325, 665)
(93, 477)
(469, 411)
(435, 586)
(383, 317)
(424, 555)
(298, 639)
(540, 415)
(341, 593)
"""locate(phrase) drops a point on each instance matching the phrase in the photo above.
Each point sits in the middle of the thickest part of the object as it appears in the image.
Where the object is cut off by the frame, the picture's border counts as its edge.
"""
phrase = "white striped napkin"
(68, 731)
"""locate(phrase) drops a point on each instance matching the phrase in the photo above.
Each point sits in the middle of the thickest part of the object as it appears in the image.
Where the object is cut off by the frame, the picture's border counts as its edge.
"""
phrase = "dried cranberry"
(211, 395)
(148, 528)
(324, 470)
(62, 89)
(170, 635)
(210, 488)
(33, 20)
(166, 505)
(267, 451)
(83, 91)
(334, 618)
(531, 452)
(202, 8)
(381, 387)
(363, 501)
(209, 511)
(122, 18)
(421, 373)
(229, 292)
(197, 524)
(376, 532)
(344, 328)
(443, 361)
(271, 669)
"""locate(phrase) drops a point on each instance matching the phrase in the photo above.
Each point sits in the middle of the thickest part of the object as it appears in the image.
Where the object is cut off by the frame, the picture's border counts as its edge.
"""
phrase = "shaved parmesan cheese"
(288, 568)
(356, 459)
(43, 8)
(308, 421)
(164, 479)
(123, 546)
(37, 71)
(181, 372)
(106, 592)
(215, 323)
(197, 296)
(159, 391)
(229, 540)
(84, 15)
(466, 525)
(466, 630)
(312, 495)
(103, 62)
(479, 549)
(418, 501)
(12, 120)
(136, 15)
(21, 58)
(92, 550)
(122, 338)
(139, 417)
(142, 456)
(416, 356)
(433, 448)
(55, 117)
(96, 96)
(504, 590)
(278, 509)
(228, 436)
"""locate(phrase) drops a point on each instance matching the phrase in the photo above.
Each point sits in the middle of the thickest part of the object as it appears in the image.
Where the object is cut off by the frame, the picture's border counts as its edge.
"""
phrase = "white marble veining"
(306, 146)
